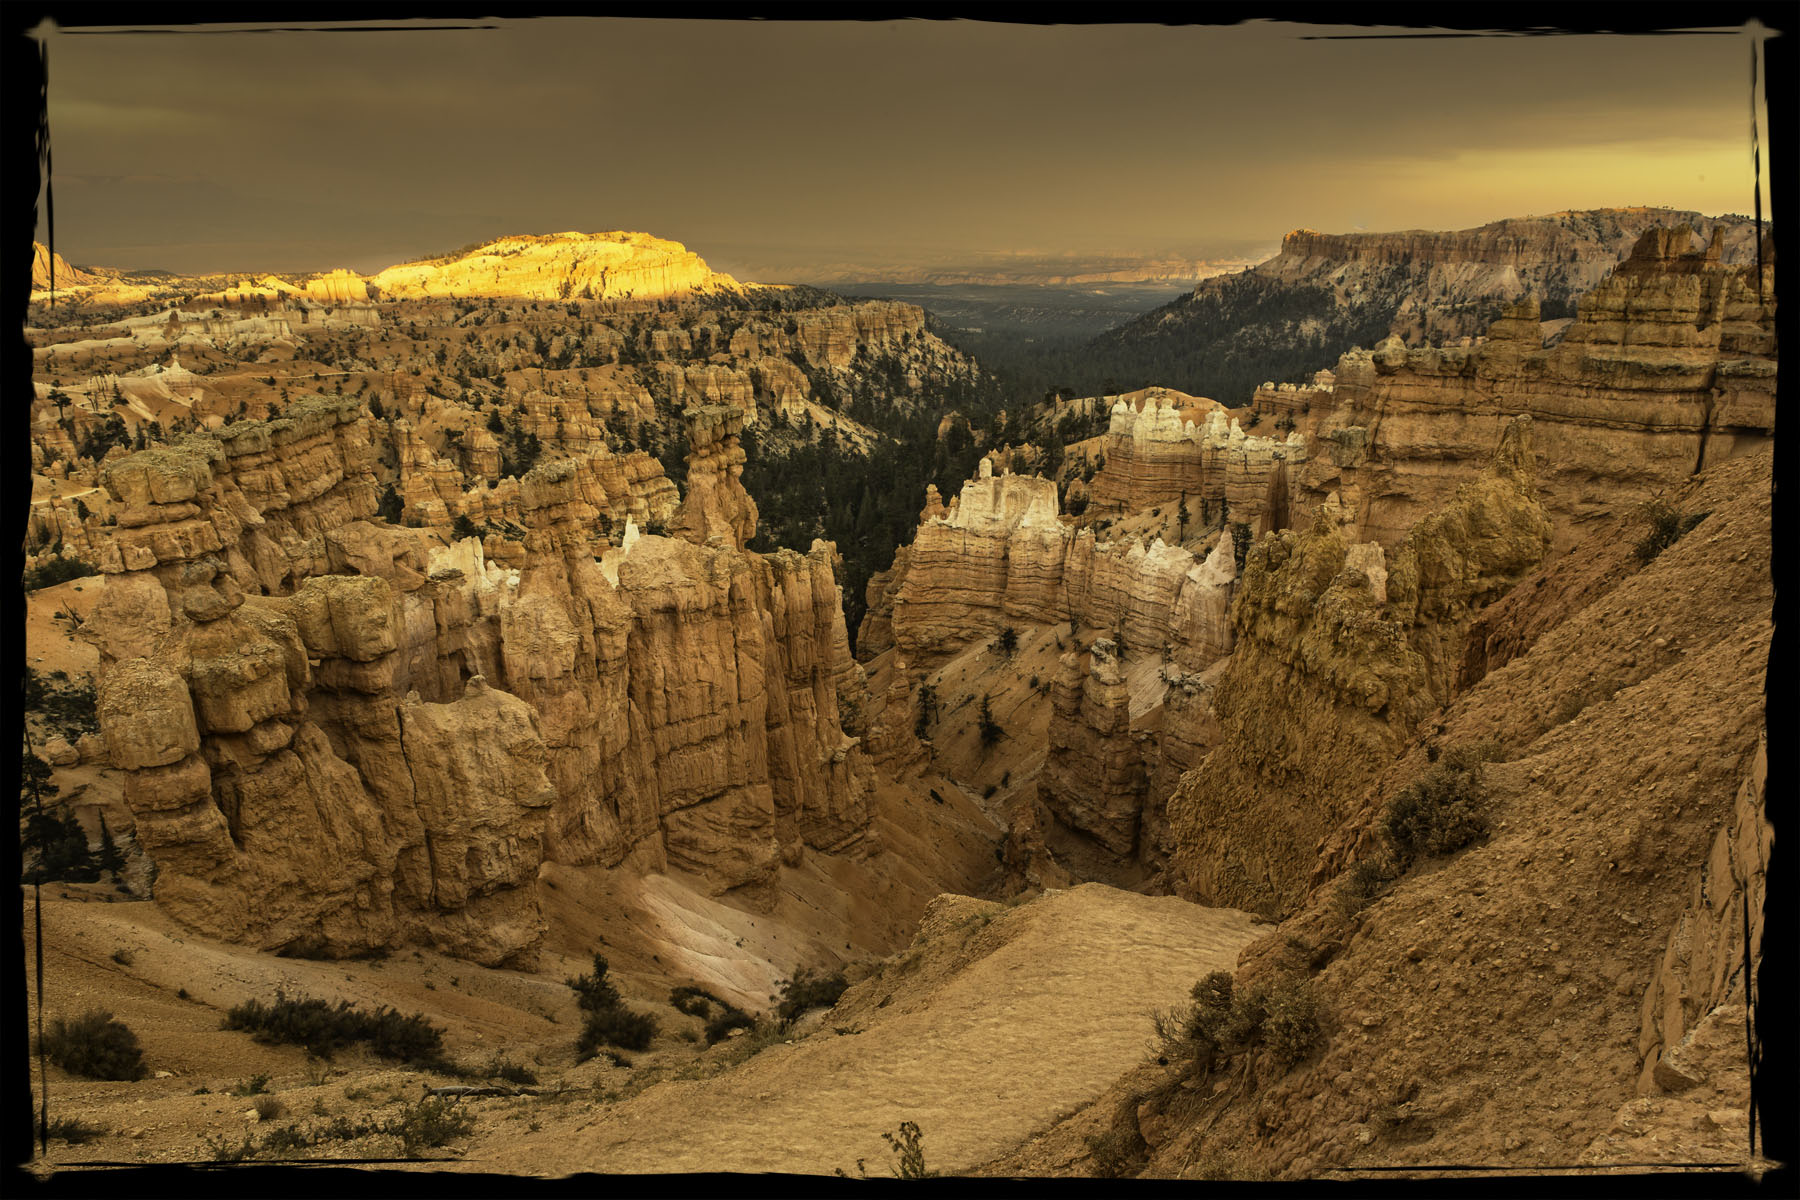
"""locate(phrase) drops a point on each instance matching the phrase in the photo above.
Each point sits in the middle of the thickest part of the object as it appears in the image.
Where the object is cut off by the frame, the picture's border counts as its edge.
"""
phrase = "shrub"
(323, 1028)
(909, 1155)
(54, 571)
(1362, 883)
(989, 728)
(1667, 525)
(1227, 1020)
(693, 1001)
(619, 1027)
(511, 1072)
(74, 1130)
(1291, 1021)
(463, 527)
(268, 1107)
(592, 992)
(428, 1124)
(1442, 811)
(1008, 641)
(720, 1027)
(95, 1046)
(256, 1085)
(809, 989)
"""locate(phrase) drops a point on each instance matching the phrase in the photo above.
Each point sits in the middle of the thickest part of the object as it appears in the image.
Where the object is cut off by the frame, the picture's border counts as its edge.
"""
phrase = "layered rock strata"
(1094, 776)
(1340, 652)
(1197, 456)
(341, 734)
(1000, 554)
(1669, 366)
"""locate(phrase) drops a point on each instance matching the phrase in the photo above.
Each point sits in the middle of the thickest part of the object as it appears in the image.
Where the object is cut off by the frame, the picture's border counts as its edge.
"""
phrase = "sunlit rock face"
(558, 266)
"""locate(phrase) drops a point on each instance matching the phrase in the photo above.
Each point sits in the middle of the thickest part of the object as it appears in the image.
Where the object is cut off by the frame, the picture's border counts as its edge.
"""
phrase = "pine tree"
(989, 728)
(110, 860)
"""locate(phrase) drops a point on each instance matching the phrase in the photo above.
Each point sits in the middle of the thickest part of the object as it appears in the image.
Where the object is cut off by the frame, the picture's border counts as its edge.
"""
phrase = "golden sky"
(775, 148)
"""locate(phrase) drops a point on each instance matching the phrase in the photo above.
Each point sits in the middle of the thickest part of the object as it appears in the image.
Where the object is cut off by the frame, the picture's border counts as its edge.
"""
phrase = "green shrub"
(692, 1001)
(1362, 883)
(909, 1154)
(592, 992)
(323, 1028)
(809, 989)
(1226, 1020)
(95, 1046)
(721, 1025)
(1442, 811)
(619, 1027)
(54, 571)
(1291, 1021)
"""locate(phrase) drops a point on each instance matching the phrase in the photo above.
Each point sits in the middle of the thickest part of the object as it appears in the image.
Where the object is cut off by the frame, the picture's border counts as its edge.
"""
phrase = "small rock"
(1364, 1135)
(1725, 1118)
(164, 1075)
(1674, 1074)
(1415, 952)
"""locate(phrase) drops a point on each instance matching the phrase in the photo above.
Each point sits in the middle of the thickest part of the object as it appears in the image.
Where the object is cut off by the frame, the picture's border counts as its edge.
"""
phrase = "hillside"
(1294, 314)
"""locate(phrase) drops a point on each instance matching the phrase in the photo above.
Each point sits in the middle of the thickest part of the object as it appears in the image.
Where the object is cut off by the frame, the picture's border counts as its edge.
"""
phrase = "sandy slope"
(993, 1024)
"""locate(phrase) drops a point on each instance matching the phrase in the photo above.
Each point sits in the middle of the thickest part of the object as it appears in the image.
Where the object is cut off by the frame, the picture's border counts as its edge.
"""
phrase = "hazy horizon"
(795, 149)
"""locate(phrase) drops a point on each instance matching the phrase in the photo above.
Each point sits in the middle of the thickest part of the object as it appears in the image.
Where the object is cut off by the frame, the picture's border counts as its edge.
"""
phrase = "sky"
(797, 150)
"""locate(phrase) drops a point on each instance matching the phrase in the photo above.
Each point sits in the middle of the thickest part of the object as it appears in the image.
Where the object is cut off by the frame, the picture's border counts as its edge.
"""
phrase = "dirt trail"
(995, 1022)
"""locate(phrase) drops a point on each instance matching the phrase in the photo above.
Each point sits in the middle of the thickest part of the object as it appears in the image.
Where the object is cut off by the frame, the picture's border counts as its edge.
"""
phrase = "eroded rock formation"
(1669, 366)
(1340, 653)
(340, 734)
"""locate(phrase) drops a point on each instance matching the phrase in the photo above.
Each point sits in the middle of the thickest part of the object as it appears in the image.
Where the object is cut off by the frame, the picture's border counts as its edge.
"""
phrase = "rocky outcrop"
(716, 504)
(1000, 554)
(48, 269)
(1702, 970)
(1573, 982)
(1340, 652)
(1669, 366)
(290, 688)
(1326, 293)
(559, 266)
(1196, 456)
(1094, 776)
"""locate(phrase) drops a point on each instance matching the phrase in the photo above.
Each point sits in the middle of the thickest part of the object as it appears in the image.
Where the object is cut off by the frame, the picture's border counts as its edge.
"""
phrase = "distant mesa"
(64, 275)
(559, 266)
(554, 266)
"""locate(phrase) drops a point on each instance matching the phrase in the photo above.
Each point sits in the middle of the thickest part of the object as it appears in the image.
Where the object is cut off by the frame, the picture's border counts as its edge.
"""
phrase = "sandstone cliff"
(1339, 654)
(1324, 293)
(1569, 987)
(1669, 366)
(1000, 554)
(48, 269)
(341, 734)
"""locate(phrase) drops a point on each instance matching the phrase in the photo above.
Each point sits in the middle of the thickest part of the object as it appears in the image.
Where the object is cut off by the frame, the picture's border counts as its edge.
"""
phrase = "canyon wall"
(341, 734)
(999, 554)
(1340, 652)
(1669, 366)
